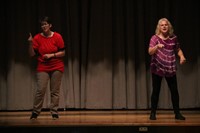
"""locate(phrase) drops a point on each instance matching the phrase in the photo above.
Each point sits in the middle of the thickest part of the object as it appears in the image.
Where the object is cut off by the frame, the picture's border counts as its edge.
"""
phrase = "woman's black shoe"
(34, 116)
(55, 116)
(179, 117)
(152, 116)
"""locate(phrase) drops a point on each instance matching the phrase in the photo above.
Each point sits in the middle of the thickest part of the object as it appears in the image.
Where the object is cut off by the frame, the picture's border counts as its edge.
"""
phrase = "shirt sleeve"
(153, 41)
(60, 42)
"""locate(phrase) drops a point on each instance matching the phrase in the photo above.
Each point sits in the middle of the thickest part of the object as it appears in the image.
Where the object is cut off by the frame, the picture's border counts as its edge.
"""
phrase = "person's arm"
(181, 56)
(55, 55)
(152, 50)
(30, 41)
(59, 53)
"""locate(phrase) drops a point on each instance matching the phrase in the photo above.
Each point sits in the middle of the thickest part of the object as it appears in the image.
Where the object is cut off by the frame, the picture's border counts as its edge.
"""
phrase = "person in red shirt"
(49, 48)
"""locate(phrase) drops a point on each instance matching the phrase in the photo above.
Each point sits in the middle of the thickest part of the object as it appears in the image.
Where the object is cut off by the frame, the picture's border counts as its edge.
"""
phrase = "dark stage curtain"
(106, 62)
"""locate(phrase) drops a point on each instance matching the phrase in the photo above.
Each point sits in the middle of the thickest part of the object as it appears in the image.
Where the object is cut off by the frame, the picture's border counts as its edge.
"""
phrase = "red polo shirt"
(47, 45)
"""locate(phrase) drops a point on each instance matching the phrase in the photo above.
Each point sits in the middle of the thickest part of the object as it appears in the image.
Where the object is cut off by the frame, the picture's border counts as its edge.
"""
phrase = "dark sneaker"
(152, 116)
(34, 116)
(55, 116)
(179, 117)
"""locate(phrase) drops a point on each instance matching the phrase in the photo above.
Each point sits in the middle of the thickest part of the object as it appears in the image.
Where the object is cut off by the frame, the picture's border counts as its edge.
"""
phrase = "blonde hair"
(171, 30)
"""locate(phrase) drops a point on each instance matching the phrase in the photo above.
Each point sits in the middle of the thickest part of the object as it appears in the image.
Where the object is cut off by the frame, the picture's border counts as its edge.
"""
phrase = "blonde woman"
(163, 48)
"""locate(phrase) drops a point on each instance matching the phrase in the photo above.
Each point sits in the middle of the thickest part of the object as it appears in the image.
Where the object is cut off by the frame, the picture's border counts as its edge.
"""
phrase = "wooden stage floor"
(137, 119)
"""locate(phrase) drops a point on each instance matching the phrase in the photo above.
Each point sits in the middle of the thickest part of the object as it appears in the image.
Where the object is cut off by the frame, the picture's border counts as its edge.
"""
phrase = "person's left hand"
(182, 60)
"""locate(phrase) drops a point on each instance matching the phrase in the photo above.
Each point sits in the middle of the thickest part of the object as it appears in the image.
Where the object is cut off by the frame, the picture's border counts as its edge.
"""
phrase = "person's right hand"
(160, 45)
(30, 37)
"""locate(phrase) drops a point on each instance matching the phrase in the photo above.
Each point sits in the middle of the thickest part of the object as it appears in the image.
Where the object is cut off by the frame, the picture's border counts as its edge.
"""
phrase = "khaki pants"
(43, 78)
